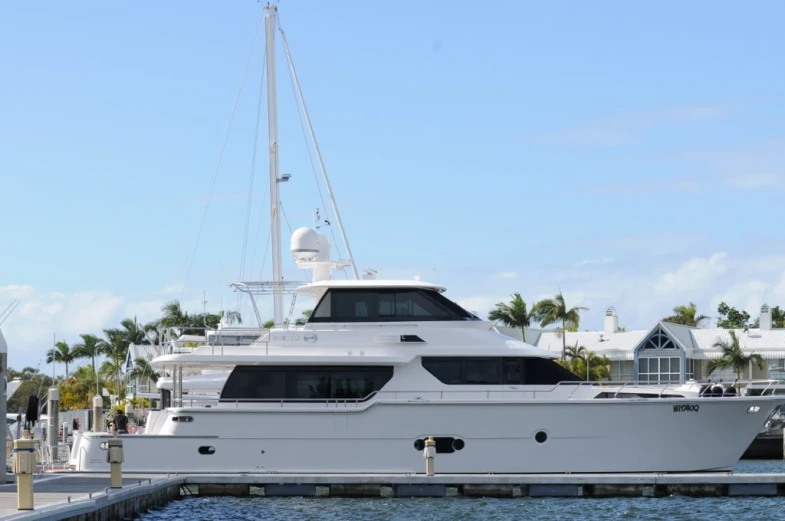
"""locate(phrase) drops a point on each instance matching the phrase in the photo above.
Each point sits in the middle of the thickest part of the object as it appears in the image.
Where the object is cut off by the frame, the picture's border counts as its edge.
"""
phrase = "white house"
(669, 352)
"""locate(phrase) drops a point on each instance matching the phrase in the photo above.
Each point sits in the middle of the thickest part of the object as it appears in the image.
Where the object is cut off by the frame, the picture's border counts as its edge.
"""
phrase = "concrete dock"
(87, 496)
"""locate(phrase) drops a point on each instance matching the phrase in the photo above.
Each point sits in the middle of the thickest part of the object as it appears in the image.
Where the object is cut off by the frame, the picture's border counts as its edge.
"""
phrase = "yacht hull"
(583, 436)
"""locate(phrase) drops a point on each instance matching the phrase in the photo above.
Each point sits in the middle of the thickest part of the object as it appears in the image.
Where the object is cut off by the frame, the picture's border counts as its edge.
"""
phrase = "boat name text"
(691, 407)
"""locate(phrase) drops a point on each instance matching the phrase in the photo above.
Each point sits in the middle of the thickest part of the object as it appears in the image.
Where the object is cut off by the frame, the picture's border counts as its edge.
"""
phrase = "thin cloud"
(625, 128)
(754, 182)
(596, 262)
(508, 275)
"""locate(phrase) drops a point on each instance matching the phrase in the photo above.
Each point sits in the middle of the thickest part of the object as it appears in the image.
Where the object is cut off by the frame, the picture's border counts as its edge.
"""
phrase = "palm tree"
(269, 324)
(90, 347)
(575, 352)
(175, 317)
(686, 316)
(133, 332)
(732, 357)
(306, 314)
(62, 353)
(143, 370)
(595, 367)
(232, 317)
(513, 314)
(110, 370)
(777, 317)
(551, 311)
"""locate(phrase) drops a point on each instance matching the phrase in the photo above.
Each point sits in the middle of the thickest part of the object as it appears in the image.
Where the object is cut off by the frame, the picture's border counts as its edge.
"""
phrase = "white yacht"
(382, 364)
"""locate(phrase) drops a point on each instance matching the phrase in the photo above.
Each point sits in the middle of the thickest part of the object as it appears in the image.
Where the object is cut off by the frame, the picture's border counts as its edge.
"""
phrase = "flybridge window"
(497, 371)
(259, 383)
(386, 305)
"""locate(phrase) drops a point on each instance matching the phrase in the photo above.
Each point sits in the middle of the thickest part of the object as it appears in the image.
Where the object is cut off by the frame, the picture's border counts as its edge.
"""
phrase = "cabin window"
(513, 371)
(483, 371)
(497, 371)
(386, 305)
(257, 383)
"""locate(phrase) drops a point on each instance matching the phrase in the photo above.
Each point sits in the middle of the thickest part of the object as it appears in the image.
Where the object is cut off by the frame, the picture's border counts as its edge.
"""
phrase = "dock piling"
(114, 456)
(429, 453)
(24, 467)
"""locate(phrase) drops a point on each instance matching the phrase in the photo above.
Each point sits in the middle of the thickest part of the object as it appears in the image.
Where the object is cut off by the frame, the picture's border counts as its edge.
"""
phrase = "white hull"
(601, 435)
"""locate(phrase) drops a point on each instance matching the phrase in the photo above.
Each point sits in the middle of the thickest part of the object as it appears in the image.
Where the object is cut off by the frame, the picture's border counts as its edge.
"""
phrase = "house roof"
(697, 342)
(616, 346)
(769, 343)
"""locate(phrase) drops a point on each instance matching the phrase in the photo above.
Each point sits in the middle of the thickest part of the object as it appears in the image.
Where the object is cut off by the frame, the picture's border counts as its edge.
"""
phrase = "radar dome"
(305, 244)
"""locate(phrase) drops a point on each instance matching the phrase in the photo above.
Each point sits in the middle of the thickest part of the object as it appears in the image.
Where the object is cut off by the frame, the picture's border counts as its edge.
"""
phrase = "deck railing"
(511, 393)
(217, 339)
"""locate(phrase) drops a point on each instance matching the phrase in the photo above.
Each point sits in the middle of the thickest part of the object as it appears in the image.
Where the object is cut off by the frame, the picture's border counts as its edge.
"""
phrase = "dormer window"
(386, 305)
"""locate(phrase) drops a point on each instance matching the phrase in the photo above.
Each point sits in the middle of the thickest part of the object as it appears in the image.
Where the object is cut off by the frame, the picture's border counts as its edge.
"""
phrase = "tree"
(305, 315)
(115, 347)
(551, 311)
(575, 353)
(732, 318)
(144, 371)
(268, 324)
(132, 332)
(777, 317)
(732, 357)
(90, 347)
(513, 314)
(61, 353)
(232, 317)
(686, 316)
(587, 364)
(595, 367)
(33, 383)
(78, 389)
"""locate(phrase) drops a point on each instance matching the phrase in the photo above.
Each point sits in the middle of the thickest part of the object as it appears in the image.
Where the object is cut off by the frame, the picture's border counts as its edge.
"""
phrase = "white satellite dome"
(305, 244)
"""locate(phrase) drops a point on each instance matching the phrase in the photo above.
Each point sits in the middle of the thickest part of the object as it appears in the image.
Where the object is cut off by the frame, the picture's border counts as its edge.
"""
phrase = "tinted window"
(497, 371)
(386, 305)
(543, 371)
(513, 371)
(483, 371)
(247, 382)
(447, 370)
(304, 382)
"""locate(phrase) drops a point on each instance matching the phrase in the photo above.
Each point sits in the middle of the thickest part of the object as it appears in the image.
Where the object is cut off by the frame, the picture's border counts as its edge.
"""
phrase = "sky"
(628, 154)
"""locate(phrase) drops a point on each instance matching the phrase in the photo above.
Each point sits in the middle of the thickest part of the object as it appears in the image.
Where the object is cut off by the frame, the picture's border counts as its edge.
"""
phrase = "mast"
(272, 125)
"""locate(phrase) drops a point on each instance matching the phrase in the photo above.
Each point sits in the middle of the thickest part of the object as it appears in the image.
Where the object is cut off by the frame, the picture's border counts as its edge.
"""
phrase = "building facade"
(669, 353)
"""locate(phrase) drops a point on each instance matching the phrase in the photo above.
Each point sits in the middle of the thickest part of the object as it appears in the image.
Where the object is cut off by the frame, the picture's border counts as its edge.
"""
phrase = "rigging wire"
(8, 311)
(283, 212)
(249, 203)
(299, 96)
(264, 257)
(221, 154)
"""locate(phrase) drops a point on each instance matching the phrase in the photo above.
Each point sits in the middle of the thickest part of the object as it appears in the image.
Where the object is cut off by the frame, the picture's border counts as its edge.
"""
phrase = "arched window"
(659, 340)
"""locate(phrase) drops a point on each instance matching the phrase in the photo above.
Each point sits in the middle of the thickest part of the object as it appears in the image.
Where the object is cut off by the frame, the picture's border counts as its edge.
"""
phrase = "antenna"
(318, 222)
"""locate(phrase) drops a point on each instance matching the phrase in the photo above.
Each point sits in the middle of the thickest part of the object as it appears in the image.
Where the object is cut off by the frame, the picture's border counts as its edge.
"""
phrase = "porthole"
(184, 419)
(458, 444)
(419, 444)
(541, 437)
(206, 450)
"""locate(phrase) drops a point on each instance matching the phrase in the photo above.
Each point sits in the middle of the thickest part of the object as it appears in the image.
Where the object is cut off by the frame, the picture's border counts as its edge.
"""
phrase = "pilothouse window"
(386, 305)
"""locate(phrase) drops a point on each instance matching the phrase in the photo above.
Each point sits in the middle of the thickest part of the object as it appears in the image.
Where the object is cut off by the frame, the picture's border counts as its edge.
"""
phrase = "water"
(444, 509)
